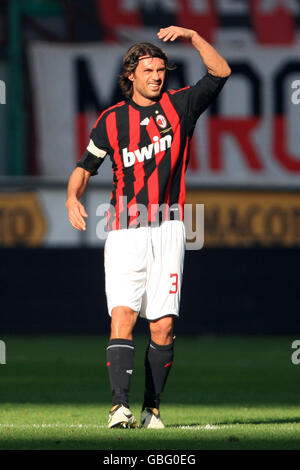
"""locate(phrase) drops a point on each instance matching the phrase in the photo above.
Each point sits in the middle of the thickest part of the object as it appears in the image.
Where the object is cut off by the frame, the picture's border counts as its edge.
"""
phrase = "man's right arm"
(93, 157)
(77, 183)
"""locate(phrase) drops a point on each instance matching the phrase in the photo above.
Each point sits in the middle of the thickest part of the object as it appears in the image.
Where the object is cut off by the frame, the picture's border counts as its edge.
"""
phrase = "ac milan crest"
(161, 121)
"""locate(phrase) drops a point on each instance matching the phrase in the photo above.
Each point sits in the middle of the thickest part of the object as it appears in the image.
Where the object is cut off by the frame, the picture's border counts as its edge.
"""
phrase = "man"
(147, 137)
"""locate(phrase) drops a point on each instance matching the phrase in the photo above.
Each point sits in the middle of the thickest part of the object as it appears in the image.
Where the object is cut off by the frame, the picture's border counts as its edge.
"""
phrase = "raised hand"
(174, 32)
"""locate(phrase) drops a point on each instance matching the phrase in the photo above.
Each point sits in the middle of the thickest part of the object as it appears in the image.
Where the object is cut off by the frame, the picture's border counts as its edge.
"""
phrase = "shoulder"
(178, 95)
(179, 98)
(173, 92)
(207, 78)
(212, 80)
(107, 111)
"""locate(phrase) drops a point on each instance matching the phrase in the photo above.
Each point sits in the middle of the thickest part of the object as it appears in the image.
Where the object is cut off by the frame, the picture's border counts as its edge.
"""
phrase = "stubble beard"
(152, 94)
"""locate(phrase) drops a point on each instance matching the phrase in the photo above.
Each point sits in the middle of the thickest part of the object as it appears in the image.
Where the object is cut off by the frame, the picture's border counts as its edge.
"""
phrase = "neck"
(142, 100)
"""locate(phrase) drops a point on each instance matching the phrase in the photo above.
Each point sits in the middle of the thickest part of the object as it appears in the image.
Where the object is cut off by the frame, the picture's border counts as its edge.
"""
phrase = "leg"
(163, 296)
(158, 361)
(161, 330)
(120, 358)
(125, 277)
(123, 320)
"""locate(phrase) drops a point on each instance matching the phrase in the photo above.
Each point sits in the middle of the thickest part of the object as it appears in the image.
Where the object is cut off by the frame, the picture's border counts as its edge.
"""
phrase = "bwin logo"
(2, 92)
(159, 145)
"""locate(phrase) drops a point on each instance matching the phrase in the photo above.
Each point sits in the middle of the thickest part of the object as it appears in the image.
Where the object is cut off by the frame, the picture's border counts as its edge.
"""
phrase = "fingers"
(174, 32)
(168, 37)
(165, 33)
(77, 222)
(76, 214)
(175, 36)
(82, 211)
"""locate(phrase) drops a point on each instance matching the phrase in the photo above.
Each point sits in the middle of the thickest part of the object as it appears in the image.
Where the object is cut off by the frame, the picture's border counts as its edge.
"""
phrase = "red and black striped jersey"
(149, 151)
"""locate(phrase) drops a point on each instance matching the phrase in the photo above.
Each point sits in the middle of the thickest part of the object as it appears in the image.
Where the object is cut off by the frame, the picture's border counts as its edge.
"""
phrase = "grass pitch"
(222, 393)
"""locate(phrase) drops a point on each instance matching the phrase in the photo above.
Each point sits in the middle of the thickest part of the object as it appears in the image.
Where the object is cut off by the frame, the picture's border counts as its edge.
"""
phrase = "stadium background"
(59, 62)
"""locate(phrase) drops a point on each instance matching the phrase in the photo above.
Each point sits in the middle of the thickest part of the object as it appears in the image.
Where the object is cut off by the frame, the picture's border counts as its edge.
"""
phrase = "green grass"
(222, 393)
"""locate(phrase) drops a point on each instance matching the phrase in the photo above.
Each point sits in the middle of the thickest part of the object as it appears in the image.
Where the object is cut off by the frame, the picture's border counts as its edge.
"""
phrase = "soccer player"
(147, 137)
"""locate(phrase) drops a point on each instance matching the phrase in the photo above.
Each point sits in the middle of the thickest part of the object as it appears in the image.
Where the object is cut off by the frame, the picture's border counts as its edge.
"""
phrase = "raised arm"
(76, 187)
(215, 63)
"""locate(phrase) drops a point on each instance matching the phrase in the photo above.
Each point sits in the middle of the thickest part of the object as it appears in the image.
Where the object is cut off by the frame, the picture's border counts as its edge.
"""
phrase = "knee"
(162, 330)
(122, 322)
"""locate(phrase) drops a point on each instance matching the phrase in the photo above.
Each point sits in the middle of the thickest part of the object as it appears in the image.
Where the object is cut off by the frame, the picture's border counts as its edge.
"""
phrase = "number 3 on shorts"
(174, 284)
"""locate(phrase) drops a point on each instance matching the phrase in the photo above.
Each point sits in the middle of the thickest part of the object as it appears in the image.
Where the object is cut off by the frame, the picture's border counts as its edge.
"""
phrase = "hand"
(76, 212)
(174, 32)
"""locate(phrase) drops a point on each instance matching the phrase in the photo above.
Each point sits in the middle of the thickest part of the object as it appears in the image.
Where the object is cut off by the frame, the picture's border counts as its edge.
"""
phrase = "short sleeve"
(192, 101)
(97, 149)
(203, 94)
(99, 134)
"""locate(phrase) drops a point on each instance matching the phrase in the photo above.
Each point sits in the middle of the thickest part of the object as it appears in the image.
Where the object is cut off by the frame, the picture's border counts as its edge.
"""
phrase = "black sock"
(158, 361)
(120, 357)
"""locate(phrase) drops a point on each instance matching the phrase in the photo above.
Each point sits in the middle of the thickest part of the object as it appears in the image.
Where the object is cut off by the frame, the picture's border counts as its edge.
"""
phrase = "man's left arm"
(215, 63)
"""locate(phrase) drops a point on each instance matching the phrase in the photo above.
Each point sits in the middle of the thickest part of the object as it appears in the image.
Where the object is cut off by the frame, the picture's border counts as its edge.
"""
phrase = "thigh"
(125, 262)
(165, 270)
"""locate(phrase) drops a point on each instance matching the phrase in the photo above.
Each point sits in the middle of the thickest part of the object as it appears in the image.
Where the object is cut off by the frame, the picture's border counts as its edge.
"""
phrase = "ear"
(131, 76)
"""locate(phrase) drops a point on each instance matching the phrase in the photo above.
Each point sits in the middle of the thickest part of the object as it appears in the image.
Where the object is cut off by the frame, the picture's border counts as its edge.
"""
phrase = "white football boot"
(121, 417)
(150, 418)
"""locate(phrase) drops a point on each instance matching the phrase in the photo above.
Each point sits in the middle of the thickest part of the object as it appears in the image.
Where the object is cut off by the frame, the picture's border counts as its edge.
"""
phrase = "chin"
(154, 95)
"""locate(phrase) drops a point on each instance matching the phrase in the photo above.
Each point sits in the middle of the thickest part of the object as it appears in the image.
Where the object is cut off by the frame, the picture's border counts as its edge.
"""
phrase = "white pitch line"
(100, 426)
(63, 426)
(206, 427)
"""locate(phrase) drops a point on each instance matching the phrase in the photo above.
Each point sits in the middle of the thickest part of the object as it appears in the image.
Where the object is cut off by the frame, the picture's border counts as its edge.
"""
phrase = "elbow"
(222, 71)
(225, 71)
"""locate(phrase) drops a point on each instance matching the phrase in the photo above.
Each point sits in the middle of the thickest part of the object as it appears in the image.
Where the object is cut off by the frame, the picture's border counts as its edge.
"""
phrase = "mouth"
(154, 86)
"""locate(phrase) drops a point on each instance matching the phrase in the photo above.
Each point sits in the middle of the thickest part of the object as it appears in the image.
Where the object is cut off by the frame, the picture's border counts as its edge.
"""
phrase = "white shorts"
(143, 269)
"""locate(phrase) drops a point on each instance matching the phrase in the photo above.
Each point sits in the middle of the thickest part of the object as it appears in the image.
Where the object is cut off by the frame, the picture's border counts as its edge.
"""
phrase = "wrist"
(71, 200)
(193, 35)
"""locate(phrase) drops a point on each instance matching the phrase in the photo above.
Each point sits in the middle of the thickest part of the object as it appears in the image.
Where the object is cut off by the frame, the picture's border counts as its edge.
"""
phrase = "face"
(148, 79)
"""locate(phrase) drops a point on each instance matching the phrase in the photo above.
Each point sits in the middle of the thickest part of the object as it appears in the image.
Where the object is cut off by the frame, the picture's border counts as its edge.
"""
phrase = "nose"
(155, 75)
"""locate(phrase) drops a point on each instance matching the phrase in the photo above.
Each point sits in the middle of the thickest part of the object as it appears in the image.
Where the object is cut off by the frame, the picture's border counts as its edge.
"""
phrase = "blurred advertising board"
(249, 218)
(3, 116)
(232, 218)
(249, 136)
(22, 219)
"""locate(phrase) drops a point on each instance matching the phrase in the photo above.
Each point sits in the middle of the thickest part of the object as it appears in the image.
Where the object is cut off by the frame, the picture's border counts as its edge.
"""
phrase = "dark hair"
(131, 60)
